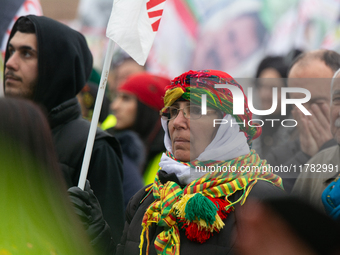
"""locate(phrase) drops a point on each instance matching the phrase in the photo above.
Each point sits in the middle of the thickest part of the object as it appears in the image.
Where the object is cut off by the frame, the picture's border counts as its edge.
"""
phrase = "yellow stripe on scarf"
(171, 200)
(172, 95)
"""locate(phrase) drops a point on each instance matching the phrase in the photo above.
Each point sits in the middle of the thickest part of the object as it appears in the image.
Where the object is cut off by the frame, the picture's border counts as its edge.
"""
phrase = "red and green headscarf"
(192, 84)
(200, 209)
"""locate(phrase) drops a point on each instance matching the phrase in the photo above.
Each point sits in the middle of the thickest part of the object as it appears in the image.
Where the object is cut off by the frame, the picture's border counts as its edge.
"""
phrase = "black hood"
(64, 61)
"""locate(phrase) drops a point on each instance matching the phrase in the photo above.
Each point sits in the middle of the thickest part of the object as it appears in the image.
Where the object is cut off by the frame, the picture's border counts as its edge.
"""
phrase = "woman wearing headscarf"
(206, 173)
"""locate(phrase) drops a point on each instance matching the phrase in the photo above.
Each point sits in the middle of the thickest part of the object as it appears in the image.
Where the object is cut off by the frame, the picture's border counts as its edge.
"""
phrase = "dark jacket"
(105, 174)
(220, 243)
(64, 65)
(133, 159)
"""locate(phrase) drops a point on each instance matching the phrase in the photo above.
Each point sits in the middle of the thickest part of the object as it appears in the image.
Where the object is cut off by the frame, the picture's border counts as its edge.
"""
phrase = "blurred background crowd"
(249, 39)
(226, 35)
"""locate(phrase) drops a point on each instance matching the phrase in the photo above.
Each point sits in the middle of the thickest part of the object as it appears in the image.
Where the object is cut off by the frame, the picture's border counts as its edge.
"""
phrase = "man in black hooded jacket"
(49, 63)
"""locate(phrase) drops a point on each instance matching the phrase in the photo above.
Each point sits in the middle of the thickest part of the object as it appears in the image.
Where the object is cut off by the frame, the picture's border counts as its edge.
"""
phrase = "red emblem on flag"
(156, 13)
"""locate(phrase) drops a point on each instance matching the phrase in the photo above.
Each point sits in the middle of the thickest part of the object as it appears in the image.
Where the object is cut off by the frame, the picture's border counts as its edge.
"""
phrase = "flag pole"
(96, 113)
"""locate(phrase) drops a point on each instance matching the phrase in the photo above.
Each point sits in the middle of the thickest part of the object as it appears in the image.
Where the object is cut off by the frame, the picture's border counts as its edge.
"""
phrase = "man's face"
(335, 110)
(315, 77)
(21, 72)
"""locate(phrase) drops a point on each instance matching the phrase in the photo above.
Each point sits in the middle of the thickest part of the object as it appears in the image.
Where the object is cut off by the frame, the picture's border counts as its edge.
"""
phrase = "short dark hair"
(330, 57)
(276, 62)
(25, 25)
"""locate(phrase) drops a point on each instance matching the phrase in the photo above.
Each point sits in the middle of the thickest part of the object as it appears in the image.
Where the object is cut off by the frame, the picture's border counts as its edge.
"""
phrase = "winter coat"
(133, 159)
(64, 65)
(219, 243)
(105, 173)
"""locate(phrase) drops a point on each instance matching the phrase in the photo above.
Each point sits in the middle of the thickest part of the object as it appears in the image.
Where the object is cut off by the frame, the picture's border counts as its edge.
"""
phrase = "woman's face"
(269, 79)
(189, 138)
(124, 108)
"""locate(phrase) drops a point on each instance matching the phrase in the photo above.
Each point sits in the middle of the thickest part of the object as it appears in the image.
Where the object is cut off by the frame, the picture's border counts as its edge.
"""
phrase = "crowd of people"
(165, 176)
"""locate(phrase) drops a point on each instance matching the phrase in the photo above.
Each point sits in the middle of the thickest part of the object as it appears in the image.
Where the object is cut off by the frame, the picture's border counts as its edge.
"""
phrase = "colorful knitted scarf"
(192, 84)
(199, 208)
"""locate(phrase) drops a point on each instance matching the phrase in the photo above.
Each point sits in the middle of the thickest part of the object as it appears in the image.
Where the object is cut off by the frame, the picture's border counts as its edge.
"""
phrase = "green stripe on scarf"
(214, 185)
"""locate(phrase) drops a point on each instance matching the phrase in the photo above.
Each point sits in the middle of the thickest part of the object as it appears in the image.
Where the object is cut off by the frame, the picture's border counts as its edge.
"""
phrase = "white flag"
(133, 25)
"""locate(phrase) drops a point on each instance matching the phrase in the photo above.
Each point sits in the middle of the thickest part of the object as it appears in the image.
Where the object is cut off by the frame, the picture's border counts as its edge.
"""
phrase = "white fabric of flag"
(133, 25)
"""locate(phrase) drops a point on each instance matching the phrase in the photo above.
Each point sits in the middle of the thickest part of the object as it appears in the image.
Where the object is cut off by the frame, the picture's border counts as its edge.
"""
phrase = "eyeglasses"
(193, 112)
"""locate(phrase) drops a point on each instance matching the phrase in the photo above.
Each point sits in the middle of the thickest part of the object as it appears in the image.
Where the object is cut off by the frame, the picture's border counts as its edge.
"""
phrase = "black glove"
(88, 208)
